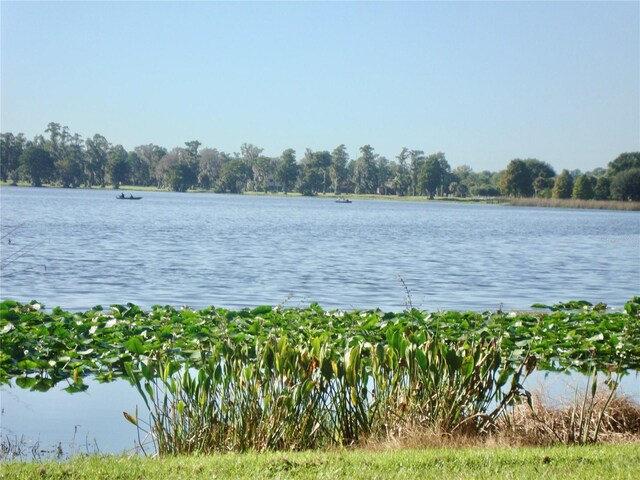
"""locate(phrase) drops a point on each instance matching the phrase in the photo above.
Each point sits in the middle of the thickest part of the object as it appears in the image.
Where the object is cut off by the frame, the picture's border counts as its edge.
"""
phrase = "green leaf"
(261, 310)
(421, 358)
(76, 387)
(26, 382)
(135, 345)
(467, 366)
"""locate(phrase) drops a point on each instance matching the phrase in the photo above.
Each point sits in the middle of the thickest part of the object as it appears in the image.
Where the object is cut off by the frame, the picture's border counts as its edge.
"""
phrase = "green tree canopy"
(232, 176)
(36, 164)
(338, 168)
(287, 170)
(626, 185)
(539, 168)
(97, 157)
(402, 179)
(430, 177)
(11, 148)
(517, 180)
(416, 161)
(583, 188)
(365, 174)
(602, 188)
(563, 186)
(118, 166)
(624, 161)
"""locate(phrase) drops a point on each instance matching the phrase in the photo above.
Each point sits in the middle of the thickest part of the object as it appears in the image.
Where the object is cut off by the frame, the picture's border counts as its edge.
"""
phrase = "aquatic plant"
(41, 348)
(294, 378)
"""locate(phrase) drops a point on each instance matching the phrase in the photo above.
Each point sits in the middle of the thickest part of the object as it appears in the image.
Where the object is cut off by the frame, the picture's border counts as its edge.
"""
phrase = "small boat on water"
(130, 197)
(343, 200)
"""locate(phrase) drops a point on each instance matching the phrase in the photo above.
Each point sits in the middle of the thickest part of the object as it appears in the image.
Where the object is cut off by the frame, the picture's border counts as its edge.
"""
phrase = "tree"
(36, 165)
(117, 166)
(338, 168)
(287, 170)
(539, 168)
(181, 176)
(322, 161)
(310, 181)
(233, 175)
(485, 190)
(57, 140)
(626, 185)
(151, 155)
(464, 173)
(249, 153)
(176, 170)
(139, 173)
(11, 147)
(191, 155)
(461, 191)
(517, 180)
(602, 188)
(563, 186)
(365, 176)
(416, 158)
(542, 187)
(445, 168)
(624, 161)
(430, 177)
(71, 168)
(583, 188)
(97, 157)
(311, 177)
(209, 168)
(383, 171)
(402, 179)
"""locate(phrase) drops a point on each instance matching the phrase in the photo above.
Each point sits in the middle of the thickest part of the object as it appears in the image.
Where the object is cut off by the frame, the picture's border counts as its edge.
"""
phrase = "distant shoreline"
(502, 201)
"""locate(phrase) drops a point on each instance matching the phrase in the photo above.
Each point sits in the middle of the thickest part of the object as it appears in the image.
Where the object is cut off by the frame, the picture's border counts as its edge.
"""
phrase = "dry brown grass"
(571, 203)
(547, 425)
(542, 425)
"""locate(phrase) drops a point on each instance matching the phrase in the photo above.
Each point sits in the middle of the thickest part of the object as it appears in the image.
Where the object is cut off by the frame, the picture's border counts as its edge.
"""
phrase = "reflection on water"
(59, 423)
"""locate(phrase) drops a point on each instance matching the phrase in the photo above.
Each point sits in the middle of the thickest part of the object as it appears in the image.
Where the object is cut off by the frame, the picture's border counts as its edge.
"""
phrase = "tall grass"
(573, 203)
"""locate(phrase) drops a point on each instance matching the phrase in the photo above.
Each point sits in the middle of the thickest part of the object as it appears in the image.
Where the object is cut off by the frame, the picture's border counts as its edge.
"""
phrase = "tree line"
(61, 158)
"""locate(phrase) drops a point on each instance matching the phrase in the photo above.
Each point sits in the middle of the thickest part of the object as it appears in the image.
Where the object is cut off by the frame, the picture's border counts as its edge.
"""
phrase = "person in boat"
(131, 195)
(121, 195)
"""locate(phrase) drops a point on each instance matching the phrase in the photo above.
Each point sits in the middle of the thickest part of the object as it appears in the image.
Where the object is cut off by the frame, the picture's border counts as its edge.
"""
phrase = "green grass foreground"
(611, 462)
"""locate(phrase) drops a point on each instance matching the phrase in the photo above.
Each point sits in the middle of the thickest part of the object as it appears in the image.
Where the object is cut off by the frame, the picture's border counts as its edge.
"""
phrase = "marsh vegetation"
(297, 378)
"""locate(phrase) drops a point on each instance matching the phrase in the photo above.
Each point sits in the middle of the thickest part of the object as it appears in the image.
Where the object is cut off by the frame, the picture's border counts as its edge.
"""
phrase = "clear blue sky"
(483, 82)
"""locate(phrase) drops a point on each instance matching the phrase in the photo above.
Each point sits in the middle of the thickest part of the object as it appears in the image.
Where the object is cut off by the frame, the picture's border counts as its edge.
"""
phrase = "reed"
(572, 203)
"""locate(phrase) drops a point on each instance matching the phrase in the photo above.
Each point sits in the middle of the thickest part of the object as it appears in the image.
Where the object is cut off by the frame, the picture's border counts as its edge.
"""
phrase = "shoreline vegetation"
(305, 393)
(68, 160)
(294, 379)
(502, 201)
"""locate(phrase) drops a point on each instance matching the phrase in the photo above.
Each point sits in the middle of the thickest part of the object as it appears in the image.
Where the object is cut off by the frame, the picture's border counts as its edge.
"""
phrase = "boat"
(130, 197)
(343, 200)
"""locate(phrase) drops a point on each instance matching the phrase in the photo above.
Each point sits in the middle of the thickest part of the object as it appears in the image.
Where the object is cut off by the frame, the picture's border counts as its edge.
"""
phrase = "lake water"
(83, 247)
(80, 248)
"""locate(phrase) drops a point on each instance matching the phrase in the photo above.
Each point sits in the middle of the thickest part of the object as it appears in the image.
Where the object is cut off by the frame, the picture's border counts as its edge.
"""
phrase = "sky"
(483, 82)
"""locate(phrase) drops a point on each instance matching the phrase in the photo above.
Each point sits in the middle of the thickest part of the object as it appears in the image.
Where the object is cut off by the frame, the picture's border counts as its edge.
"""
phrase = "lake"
(81, 248)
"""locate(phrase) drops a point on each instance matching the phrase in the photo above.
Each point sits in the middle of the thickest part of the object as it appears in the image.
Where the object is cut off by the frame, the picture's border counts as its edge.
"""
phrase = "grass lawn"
(610, 462)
